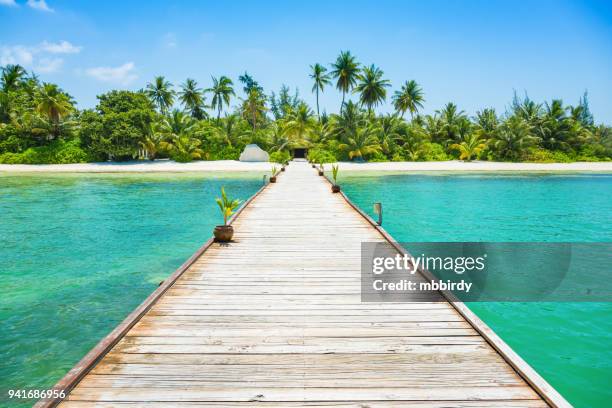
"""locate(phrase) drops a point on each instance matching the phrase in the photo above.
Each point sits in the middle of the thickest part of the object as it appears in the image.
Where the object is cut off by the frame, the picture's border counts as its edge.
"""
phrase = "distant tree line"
(39, 123)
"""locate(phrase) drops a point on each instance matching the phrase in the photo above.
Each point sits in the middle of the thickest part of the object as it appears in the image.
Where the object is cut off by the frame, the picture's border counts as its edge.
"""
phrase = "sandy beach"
(233, 165)
(476, 166)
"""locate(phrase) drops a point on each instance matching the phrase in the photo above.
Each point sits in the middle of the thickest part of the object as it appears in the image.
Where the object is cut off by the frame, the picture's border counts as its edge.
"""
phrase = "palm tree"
(300, 123)
(12, 75)
(349, 120)
(54, 105)
(410, 98)
(487, 122)
(226, 130)
(222, 91)
(470, 147)
(183, 148)
(513, 137)
(362, 142)
(192, 98)
(451, 119)
(177, 124)
(161, 94)
(345, 70)
(321, 79)
(388, 132)
(278, 137)
(371, 87)
(254, 107)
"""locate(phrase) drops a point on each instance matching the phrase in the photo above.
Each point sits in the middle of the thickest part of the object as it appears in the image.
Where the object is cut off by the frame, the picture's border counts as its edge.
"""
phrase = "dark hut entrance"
(300, 153)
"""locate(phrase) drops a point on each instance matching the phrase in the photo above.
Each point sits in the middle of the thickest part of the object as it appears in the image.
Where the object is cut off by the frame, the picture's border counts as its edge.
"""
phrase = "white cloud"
(39, 5)
(9, 3)
(37, 57)
(48, 65)
(123, 74)
(62, 47)
(16, 54)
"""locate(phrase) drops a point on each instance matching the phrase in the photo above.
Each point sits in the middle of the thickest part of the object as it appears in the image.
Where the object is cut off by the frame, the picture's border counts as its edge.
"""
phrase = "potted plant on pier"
(274, 174)
(335, 187)
(225, 232)
(321, 169)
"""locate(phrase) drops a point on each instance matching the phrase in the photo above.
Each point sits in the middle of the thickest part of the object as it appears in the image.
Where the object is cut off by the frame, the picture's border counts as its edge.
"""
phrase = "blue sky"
(474, 53)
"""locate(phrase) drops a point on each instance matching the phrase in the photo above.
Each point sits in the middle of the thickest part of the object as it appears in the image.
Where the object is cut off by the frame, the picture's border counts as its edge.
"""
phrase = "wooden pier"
(275, 319)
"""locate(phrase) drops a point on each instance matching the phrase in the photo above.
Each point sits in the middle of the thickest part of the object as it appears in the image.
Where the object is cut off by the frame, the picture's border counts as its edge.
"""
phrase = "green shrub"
(377, 157)
(217, 152)
(280, 156)
(57, 152)
(321, 156)
(434, 152)
(547, 156)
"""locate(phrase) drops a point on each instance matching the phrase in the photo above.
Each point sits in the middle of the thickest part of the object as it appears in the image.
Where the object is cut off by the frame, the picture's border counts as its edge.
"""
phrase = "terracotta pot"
(273, 179)
(282, 169)
(223, 233)
(335, 188)
(320, 172)
(313, 166)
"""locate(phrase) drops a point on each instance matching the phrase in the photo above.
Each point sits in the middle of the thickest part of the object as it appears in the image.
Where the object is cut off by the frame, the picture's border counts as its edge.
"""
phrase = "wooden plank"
(275, 318)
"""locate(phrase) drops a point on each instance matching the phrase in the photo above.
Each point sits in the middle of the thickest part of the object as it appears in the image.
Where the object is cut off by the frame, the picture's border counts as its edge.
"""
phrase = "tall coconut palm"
(254, 107)
(54, 105)
(372, 87)
(11, 77)
(321, 80)
(222, 91)
(345, 70)
(161, 93)
(409, 98)
(192, 98)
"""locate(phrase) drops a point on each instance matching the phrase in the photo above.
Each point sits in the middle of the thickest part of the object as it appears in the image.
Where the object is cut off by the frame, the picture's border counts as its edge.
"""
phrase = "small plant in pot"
(321, 169)
(225, 232)
(335, 186)
(274, 174)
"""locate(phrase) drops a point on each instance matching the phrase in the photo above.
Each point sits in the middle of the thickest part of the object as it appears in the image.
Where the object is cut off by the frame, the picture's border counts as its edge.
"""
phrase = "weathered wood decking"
(275, 319)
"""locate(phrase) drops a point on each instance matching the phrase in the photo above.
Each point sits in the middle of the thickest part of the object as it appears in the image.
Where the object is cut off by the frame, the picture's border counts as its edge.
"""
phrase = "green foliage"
(123, 119)
(57, 152)
(39, 123)
(321, 156)
(280, 157)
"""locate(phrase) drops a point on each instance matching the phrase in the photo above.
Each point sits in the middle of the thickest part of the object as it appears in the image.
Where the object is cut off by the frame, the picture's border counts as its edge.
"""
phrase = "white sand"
(139, 167)
(477, 166)
(232, 165)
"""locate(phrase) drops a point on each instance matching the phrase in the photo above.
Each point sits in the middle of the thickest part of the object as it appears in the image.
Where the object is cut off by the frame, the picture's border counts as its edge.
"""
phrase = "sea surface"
(570, 343)
(80, 252)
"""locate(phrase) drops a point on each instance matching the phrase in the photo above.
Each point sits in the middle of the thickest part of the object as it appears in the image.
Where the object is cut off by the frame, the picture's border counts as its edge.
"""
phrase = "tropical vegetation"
(40, 122)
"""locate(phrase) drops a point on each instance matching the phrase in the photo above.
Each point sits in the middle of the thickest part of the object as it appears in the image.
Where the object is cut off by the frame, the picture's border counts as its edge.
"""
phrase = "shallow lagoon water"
(569, 344)
(79, 252)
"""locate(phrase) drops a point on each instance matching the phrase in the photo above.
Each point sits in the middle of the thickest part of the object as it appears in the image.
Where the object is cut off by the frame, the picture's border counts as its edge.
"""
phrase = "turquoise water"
(80, 252)
(569, 344)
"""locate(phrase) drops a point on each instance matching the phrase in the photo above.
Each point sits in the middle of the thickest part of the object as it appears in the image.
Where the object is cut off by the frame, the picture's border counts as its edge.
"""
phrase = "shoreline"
(168, 166)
